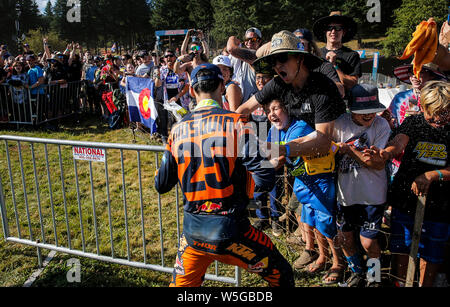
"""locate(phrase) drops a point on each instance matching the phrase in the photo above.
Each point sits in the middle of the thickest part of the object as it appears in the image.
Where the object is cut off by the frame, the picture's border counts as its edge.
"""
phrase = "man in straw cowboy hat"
(308, 95)
(335, 30)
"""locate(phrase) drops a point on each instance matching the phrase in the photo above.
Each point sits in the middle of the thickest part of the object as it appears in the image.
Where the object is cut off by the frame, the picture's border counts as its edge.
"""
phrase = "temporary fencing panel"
(94, 200)
(18, 105)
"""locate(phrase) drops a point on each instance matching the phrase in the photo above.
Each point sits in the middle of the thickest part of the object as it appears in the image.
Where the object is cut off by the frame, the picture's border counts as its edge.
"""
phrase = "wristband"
(336, 67)
(288, 150)
(441, 177)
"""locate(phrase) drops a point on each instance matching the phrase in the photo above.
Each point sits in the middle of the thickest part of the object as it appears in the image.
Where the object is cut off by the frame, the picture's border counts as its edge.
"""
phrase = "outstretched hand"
(444, 35)
(375, 154)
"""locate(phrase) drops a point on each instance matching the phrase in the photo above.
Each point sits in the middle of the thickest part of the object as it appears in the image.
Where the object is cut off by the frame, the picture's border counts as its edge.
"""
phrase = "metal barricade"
(93, 200)
(49, 102)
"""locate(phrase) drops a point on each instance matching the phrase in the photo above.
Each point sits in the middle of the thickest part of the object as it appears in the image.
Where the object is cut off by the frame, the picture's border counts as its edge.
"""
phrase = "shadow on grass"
(99, 274)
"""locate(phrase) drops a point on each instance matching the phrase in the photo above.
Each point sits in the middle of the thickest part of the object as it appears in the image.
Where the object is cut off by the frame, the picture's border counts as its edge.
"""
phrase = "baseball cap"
(143, 53)
(364, 99)
(222, 60)
(305, 33)
(254, 30)
(216, 73)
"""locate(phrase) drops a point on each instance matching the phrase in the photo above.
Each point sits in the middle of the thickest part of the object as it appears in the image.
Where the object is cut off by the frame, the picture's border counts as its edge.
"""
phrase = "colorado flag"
(141, 106)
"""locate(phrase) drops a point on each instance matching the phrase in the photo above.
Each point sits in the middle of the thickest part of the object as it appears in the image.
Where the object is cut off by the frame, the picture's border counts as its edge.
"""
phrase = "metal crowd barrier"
(50, 102)
(56, 195)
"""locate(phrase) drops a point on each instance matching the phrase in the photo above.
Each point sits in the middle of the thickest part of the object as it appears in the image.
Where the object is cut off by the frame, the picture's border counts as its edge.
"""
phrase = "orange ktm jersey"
(210, 153)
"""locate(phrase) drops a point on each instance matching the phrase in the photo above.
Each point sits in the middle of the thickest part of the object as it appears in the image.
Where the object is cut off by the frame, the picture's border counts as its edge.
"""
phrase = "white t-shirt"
(245, 76)
(358, 184)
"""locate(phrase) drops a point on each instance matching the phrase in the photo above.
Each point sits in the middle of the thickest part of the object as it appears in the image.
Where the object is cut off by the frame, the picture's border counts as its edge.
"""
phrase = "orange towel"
(423, 45)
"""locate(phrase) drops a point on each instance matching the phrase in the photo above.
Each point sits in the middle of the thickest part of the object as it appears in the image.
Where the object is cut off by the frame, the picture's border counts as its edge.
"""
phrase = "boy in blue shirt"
(314, 187)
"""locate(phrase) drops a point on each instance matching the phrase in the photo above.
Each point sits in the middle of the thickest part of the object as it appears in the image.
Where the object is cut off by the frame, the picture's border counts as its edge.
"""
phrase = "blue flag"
(141, 106)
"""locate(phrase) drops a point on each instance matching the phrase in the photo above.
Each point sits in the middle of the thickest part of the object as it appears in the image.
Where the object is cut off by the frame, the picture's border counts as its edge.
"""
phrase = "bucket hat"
(364, 99)
(403, 72)
(320, 26)
(286, 41)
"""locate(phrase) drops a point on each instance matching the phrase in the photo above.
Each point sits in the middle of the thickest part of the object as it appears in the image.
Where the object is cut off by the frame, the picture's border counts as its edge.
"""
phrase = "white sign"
(89, 154)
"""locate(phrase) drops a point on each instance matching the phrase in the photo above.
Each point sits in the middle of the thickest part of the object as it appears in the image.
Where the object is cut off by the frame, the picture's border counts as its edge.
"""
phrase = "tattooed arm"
(243, 54)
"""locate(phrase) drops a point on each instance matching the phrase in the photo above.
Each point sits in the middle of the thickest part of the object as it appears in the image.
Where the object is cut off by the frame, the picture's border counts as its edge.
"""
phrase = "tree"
(407, 17)
(231, 18)
(201, 14)
(7, 24)
(48, 17)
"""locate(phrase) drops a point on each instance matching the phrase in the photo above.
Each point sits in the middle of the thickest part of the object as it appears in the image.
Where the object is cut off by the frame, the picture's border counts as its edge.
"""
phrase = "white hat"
(222, 60)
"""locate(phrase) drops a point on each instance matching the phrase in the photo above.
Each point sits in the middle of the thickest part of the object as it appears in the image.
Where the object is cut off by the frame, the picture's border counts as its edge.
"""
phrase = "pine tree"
(407, 17)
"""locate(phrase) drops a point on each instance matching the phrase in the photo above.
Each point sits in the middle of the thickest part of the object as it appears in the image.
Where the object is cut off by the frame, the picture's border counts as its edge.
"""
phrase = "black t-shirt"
(3, 75)
(427, 150)
(347, 60)
(318, 101)
(74, 71)
(56, 73)
(328, 70)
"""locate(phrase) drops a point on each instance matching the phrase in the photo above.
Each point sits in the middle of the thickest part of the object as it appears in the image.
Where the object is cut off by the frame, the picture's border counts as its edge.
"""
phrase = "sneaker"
(277, 230)
(295, 240)
(261, 224)
(356, 280)
(307, 257)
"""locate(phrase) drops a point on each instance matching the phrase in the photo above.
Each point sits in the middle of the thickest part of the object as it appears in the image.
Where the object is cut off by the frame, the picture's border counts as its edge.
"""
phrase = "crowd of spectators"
(307, 97)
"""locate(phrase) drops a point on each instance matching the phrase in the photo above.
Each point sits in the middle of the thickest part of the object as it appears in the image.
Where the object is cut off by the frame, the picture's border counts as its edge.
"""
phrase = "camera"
(191, 56)
(194, 32)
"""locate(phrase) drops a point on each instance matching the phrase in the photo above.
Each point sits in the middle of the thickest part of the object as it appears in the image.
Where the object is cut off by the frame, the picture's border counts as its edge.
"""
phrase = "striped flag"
(141, 106)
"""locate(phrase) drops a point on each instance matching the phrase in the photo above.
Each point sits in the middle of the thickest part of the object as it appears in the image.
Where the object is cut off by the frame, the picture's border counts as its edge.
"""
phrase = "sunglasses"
(336, 28)
(263, 78)
(439, 123)
(253, 40)
(169, 55)
(280, 58)
(196, 48)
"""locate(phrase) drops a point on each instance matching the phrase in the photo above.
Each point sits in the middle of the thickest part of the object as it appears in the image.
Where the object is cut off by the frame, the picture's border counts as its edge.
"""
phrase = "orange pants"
(253, 251)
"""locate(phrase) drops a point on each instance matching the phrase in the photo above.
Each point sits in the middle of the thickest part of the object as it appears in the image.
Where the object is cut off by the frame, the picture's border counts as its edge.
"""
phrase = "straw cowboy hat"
(285, 41)
(320, 26)
(403, 72)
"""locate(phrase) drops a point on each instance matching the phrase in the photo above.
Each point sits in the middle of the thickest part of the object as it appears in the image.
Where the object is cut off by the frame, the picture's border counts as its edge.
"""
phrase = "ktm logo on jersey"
(242, 250)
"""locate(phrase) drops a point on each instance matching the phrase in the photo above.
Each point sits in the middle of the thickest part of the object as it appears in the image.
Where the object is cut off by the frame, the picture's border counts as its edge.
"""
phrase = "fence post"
(3, 213)
(420, 211)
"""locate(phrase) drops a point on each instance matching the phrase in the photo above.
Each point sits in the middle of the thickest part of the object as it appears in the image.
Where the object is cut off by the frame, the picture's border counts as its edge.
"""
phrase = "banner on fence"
(89, 154)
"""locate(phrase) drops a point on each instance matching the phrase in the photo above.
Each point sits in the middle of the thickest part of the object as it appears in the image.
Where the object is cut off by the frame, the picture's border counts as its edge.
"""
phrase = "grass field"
(18, 262)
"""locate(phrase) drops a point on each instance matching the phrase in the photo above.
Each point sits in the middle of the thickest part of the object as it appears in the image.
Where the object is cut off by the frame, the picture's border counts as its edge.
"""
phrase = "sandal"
(314, 268)
(305, 258)
(336, 274)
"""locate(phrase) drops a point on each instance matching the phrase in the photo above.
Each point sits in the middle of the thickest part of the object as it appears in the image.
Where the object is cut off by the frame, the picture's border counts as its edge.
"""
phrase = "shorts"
(433, 238)
(252, 251)
(324, 222)
(365, 218)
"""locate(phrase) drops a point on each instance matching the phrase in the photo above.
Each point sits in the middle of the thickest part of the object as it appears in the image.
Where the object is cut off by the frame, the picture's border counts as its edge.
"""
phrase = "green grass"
(18, 262)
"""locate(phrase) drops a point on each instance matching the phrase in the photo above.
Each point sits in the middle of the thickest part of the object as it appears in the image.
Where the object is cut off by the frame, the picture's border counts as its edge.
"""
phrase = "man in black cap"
(211, 153)
(335, 30)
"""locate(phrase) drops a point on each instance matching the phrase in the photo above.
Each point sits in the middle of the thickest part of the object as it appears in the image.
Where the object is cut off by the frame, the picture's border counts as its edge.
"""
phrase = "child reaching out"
(315, 189)
(362, 184)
